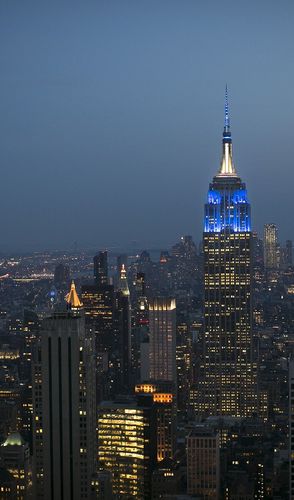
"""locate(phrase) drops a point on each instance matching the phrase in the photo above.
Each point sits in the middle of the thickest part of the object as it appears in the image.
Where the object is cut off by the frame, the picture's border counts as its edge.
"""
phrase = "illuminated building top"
(227, 167)
(72, 297)
(227, 207)
(123, 281)
(14, 439)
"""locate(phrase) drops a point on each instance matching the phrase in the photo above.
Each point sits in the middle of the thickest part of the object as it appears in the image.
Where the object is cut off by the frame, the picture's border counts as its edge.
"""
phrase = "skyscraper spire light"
(227, 168)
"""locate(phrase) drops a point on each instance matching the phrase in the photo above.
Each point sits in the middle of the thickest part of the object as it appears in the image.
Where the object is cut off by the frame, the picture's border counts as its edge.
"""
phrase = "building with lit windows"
(98, 304)
(64, 414)
(127, 445)
(270, 246)
(227, 372)
(164, 402)
(162, 339)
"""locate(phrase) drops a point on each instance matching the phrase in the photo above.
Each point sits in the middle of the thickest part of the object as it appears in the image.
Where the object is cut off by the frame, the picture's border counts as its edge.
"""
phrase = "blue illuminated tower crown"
(227, 207)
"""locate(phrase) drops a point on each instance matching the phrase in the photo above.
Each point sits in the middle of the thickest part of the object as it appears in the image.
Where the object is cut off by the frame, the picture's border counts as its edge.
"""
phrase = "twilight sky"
(111, 116)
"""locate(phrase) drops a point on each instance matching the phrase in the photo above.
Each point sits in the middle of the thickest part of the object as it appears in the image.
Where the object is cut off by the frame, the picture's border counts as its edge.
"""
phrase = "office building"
(64, 407)
(162, 339)
(227, 372)
(164, 402)
(98, 304)
(203, 464)
(61, 276)
(101, 268)
(127, 445)
(270, 246)
(289, 253)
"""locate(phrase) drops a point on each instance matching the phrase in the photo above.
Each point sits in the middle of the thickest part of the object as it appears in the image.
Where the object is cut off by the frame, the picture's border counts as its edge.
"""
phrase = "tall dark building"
(101, 268)
(289, 253)
(61, 275)
(227, 375)
(64, 406)
(123, 334)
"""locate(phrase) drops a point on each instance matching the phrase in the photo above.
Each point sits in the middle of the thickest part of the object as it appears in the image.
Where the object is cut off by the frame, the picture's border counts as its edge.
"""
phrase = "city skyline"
(92, 122)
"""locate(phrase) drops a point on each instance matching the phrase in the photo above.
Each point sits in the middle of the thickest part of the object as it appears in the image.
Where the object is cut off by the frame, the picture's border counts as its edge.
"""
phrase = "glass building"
(227, 375)
(127, 445)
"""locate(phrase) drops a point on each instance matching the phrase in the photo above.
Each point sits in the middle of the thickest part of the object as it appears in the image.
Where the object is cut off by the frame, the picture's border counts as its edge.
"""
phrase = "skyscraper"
(123, 327)
(289, 253)
(162, 343)
(226, 381)
(127, 445)
(101, 268)
(64, 408)
(203, 463)
(166, 410)
(270, 245)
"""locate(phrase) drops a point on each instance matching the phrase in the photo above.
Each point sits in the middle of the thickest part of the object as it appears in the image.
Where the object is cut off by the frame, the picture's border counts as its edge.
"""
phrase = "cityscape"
(146, 255)
(153, 374)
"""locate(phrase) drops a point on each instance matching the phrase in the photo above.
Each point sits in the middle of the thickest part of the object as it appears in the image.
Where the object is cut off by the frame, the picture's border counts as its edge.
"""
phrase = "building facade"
(203, 464)
(64, 407)
(162, 339)
(101, 268)
(270, 245)
(227, 372)
(127, 446)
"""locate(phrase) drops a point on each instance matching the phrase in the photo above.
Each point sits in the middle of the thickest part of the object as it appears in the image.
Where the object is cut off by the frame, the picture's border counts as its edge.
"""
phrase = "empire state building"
(226, 384)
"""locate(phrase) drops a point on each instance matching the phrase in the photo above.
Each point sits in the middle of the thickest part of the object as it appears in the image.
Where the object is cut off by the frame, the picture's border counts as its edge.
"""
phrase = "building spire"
(123, 281)
(227, 168)
(72, 298)
(227, 118)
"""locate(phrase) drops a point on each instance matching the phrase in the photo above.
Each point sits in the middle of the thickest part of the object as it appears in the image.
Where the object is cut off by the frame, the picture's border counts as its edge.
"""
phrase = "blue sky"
(111, 116)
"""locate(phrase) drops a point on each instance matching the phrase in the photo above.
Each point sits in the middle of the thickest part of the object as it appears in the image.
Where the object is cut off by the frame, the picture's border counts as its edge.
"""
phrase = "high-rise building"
(289, 253)
(203, 463)
(127, 445)
(61, 276)
(64, 407)
(123, 333)
(98, 304)
(101, 268)
(227, 375)
(165, 407)
(140, 328)
(162, 339)
(270, 246)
